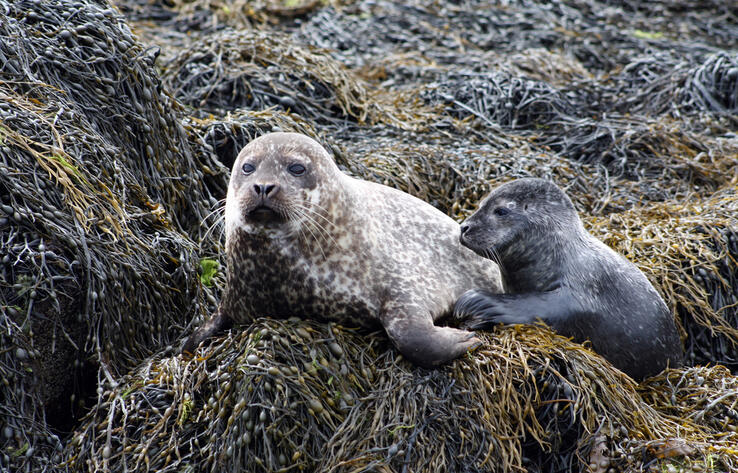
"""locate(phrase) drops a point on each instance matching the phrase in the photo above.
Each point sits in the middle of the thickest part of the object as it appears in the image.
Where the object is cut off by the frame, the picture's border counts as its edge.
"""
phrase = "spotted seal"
(304, 239)
(557, 272)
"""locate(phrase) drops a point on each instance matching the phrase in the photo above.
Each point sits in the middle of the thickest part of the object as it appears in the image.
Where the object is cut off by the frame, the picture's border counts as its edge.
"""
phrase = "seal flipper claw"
(483, 309)
(472, 303)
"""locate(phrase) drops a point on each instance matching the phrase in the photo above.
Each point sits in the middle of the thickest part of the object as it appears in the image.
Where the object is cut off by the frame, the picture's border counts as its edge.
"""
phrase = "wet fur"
(556, 272)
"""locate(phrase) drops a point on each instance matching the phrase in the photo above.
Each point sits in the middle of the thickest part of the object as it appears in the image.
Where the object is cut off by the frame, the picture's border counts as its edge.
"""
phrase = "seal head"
(274, 184)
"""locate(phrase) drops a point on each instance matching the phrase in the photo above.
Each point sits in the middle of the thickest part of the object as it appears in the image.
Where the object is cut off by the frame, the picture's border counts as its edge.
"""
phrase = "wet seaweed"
(283, 395)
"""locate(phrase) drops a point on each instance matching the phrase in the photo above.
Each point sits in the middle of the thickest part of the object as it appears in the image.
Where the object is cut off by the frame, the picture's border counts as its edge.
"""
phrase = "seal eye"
(296, 169)
(500, 211)
(248, 168)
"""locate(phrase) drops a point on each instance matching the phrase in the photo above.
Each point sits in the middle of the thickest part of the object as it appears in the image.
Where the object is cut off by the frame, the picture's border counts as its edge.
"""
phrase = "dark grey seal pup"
(556, 272)
(304, 239)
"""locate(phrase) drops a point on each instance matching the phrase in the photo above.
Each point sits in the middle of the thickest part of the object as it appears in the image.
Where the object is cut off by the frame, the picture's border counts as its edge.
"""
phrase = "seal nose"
(464, 229)
(263, 190)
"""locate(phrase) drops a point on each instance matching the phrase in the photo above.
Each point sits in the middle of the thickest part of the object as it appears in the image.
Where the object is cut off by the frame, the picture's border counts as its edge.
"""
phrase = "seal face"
(556, 272)
(304, 239)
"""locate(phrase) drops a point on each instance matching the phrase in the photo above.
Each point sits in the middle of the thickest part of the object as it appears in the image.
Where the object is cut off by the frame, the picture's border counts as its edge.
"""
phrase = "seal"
(304, 239)
(556, 272)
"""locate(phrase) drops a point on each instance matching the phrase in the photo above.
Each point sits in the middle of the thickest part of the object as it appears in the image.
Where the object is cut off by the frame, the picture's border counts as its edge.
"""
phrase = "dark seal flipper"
(481, 310)
(217, 323)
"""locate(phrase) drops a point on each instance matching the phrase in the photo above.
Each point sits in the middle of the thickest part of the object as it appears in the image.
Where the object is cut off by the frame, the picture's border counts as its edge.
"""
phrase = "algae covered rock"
(99, 189)
(282, 395)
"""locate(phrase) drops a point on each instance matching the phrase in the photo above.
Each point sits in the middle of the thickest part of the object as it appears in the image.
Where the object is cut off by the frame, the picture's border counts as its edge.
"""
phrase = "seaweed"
(98, 183)
(295, 394)
(114, 157)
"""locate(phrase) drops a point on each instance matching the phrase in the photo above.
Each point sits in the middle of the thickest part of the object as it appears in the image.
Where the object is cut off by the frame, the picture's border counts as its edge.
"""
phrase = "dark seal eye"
(296, 169)
(500, 211)
(248, 168)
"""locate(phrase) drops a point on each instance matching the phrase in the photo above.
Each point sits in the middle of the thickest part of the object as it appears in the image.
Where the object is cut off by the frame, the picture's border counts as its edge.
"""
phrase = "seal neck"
(540, 265)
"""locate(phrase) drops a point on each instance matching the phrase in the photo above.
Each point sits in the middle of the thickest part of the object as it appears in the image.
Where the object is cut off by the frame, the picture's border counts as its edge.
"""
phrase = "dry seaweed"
(658, 85)
(254, 70)
(234, 70)
(631, 148)
(212, 15)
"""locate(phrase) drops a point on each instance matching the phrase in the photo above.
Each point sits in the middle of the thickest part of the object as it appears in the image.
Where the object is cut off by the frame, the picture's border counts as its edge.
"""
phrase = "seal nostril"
(263, 190)
(464, 229)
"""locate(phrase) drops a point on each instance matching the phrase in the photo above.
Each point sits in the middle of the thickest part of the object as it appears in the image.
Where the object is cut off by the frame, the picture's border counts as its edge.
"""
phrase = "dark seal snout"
(264, 210)
(466, 231)
(266, 190)
(472, 237)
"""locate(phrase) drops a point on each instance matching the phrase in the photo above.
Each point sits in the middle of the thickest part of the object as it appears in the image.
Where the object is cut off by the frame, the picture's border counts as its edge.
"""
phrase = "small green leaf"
(208, 270)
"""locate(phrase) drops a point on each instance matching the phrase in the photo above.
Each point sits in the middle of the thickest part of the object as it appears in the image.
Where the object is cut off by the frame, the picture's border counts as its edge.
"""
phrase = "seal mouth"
(264, 214)
(470, 242)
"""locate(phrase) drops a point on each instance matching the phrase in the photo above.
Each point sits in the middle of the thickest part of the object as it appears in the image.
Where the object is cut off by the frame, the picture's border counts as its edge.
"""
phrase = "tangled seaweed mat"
(93, 151)
(303, 396)
(97, 193)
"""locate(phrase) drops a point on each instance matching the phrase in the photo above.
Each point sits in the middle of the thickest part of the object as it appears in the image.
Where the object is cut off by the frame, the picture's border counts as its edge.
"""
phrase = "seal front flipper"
(217, 323)
(421, 342)
(480, 309)
(477, 302)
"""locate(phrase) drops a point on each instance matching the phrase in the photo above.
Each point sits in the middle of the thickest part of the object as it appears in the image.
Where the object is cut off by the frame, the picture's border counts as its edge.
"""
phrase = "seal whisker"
(217, 222)
(313, 212)
(219, 206)
(296, 212)
(492, 254)
(305, 212)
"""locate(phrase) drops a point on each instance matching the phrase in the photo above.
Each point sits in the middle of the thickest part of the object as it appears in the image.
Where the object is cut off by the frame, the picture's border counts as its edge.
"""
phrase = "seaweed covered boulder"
(99, 193)
(298, 395)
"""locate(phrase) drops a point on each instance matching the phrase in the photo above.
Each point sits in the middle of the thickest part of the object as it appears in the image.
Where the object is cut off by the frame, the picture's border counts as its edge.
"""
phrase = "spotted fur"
(332, 247)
